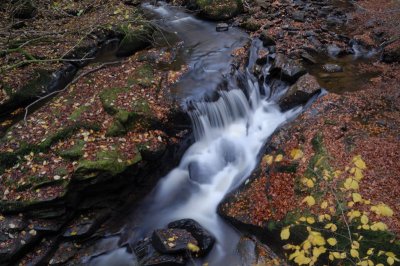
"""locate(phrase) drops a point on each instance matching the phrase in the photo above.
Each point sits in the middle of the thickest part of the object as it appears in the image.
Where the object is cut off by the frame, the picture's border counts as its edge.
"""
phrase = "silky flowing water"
(230, 132)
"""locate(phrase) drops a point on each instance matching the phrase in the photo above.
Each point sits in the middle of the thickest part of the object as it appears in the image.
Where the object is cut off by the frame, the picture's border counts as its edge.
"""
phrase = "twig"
(389, 42)
(42, 61)
(69, 84)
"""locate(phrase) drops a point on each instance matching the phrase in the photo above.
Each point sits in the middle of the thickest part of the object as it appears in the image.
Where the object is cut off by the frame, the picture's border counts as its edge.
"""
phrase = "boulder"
(391, 54)
(204, 238)
(147, 255)
(171, 241)
(299, 93)
(219, 9)
(287, 69)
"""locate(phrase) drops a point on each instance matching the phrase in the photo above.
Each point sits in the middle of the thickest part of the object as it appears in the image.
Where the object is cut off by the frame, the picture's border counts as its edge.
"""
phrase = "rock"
(287, 69)
(222, 27)
(85, 225)
(332, 68)
(135, 40)
(170, 241)
(300, 93)
(219, 9)
(308, 58)
(299, 16)
(333, 50)
(253, 252)
(391, 54)
(24, 9)
(204, 239)
(64, 253)
(267, 39)
(251, 24)
(148, 256)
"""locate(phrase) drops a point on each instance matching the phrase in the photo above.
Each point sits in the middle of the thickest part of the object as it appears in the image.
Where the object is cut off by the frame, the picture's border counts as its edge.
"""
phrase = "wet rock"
(222, 27)
(24, 9)
(332, 68)
(204, 239)
(333, 50)
(253, 252)
(308, 58)
(172, 240)
(85, 225)
(64, 253)
(300, 93)
(267, 39)
(299, 16)
(288, 69)
(148, 256)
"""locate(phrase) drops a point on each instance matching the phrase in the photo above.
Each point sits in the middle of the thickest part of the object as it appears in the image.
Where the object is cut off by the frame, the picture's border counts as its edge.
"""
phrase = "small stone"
(32, 232)
(222, 27)
(332, 68)
(299, 16)
(267, 39)
(56, 177)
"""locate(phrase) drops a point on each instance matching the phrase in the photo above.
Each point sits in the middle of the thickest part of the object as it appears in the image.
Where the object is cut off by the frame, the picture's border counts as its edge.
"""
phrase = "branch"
(69, 84)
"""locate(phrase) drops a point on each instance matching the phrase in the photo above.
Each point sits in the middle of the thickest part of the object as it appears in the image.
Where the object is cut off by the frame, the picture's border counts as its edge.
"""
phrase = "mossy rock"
(77, 113)
(135, 38)
(74, 152)
(143, 76)
(116, 129)
(251, 24)
(219, 9)
(34, 88)
(107, 98)
(106, 165)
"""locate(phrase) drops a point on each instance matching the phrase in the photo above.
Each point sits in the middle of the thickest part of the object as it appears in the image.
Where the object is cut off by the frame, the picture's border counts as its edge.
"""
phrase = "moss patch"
(74, 152)
(108, 97)
(143, 76)
(219, 9)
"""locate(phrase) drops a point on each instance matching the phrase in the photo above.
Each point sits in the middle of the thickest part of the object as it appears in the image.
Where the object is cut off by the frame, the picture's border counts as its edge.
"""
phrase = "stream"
(230, 132)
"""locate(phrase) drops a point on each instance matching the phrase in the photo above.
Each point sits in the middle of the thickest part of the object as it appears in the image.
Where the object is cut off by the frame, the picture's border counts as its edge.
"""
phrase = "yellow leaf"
(355, 245)
(296, 154)
(359, 163)
(354, 253)
(384, 210)
(331, 241)
(285, 233)
(390, 260)
(193, 247)
(310, 183)
(302, 219)
(310, 220)
(357, 197)
(351, 183)
(279, 158)
(364, 219)
(358, 175)
(309, 200)
(317, 251)
(324, 204)
(306, 245)
(379, 226)
(302, 260)
(268, 159)
(370, 251)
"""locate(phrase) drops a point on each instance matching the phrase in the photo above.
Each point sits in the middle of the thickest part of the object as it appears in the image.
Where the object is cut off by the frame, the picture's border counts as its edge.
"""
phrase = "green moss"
(74, 152)
(78, 112)
(144, 76)
(110, 163)
(137, 36)
(219, 9)
(108, 97)
(116, 129)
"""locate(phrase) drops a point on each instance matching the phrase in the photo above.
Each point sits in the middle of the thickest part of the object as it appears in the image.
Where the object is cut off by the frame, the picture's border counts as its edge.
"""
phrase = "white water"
(230, 134)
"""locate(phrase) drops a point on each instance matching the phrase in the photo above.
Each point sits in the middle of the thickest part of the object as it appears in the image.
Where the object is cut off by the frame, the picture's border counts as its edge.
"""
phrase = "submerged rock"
(332, 68)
